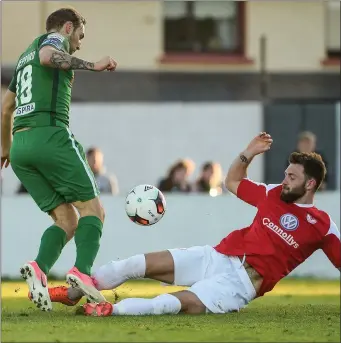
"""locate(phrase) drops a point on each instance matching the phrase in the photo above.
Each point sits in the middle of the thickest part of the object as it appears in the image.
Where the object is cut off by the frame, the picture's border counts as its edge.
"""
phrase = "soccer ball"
(145, 205)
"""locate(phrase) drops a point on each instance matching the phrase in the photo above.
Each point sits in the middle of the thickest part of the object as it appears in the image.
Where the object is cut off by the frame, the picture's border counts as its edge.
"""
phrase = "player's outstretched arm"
(237, 170)
(54, 58)
(331, 245)
(7, 109)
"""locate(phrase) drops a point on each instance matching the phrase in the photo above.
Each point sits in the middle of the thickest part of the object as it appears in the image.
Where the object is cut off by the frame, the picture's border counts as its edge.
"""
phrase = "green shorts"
(52, 166)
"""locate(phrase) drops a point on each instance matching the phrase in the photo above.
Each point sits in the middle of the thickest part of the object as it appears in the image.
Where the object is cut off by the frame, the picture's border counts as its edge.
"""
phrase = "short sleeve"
(331, 245)
(57, 41)
(253, 192)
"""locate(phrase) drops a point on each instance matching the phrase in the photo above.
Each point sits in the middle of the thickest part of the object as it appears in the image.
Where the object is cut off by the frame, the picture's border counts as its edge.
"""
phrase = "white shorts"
(219, 281)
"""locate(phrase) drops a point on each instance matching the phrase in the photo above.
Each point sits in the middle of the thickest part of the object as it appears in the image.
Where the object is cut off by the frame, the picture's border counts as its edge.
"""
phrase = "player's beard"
(72, 48)
(293, 195)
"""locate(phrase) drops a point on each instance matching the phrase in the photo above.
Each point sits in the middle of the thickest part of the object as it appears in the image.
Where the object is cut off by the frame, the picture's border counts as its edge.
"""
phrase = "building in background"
(178, 35)
(196, 79)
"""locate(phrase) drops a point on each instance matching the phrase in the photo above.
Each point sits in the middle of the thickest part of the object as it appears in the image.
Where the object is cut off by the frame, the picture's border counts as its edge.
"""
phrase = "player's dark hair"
(313, 165)
(58, 18)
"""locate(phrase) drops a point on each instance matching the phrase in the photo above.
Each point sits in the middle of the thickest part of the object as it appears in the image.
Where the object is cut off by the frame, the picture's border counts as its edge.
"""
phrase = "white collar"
(304, 205)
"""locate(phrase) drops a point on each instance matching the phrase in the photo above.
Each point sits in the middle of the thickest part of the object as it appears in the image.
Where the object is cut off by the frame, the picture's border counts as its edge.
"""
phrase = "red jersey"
(281, 236)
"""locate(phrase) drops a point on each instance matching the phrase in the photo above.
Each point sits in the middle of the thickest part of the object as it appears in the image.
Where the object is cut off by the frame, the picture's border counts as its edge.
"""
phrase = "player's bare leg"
(183, 301)
(87, 239)
(52, 243)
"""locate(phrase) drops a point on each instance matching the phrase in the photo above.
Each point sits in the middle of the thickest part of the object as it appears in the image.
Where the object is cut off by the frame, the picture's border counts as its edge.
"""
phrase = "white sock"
(162, 304)
(114, 273)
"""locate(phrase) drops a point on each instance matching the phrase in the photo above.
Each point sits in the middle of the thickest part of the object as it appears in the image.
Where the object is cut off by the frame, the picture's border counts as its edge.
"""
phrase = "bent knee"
(65, 217)
(91, 207)
(190, 303)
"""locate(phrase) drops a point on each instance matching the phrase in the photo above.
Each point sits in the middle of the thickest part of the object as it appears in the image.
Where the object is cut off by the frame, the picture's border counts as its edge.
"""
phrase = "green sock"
(52, 243)
(87, 237)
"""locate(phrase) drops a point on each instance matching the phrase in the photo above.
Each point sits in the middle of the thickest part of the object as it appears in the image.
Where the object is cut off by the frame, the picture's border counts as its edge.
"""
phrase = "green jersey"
(43, 94)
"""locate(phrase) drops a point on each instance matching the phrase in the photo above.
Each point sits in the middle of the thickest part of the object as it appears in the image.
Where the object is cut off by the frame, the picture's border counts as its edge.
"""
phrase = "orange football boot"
(103, 309)
(59, 294)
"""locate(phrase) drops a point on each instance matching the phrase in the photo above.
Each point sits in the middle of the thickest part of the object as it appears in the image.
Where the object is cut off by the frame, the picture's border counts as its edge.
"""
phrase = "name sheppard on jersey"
(280, 232)
(27, 58)
(55, 39)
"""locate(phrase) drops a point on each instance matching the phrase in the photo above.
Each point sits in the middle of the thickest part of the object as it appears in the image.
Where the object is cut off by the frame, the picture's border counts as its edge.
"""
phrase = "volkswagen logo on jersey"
(289, 222)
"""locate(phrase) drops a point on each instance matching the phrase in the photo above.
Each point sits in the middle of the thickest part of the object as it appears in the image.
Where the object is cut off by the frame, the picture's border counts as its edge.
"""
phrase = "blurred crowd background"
(195, 81)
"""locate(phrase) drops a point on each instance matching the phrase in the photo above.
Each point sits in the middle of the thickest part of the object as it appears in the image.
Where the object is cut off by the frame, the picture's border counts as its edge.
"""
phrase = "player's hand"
(106, 63)
(5, 161)
(259, 144)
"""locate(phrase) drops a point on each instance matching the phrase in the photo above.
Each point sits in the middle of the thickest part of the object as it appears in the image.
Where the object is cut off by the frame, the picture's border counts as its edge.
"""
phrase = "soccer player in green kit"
(47, 158)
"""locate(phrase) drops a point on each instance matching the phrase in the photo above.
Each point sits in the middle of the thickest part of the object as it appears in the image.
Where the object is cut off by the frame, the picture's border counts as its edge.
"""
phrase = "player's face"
(294, 183)
(76, 38)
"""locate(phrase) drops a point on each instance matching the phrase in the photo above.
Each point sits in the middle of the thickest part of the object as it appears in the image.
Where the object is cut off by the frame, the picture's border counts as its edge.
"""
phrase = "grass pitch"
(295, 311)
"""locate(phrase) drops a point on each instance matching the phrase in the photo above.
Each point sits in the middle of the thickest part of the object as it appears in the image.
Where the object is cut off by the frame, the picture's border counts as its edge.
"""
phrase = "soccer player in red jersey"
(246, 264)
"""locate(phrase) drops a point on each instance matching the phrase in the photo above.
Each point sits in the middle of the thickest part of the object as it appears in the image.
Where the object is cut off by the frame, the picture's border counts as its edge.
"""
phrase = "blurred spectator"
(190, 166)
(107, 183)
(306, 142)
(210, 179)
(176, 180)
